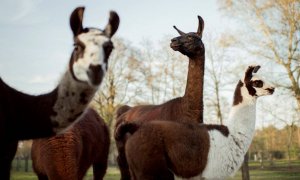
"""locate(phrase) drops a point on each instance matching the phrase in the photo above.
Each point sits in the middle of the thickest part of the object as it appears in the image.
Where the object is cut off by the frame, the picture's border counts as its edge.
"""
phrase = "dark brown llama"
(24, 116)
(68, 156)
(186, 108)
(157, 149)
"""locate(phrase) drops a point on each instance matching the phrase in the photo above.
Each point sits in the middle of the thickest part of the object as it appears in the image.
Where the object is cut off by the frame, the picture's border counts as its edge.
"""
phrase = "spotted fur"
(68, 108)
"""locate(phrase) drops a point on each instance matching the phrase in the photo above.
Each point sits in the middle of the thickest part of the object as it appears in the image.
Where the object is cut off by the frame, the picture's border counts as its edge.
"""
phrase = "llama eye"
(76, 47)
(258, 83)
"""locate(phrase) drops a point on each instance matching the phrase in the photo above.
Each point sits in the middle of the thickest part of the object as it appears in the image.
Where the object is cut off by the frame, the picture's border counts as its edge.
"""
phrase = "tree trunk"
(245, 168)
(298, 132)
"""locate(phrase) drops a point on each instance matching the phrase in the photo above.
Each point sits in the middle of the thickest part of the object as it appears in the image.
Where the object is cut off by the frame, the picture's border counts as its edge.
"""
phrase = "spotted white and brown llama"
(160, 149)
(186, 108)
(69, 155)
(24, 116)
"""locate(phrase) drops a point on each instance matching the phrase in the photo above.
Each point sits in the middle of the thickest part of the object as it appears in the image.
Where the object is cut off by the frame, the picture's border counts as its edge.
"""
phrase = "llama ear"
(200, 26)
(180, 32)
(113, 24)
(249, 71)
(256, 69)
(76, 21)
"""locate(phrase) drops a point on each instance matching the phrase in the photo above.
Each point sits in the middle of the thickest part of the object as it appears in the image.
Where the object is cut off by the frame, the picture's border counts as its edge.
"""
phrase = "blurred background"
(36, 43)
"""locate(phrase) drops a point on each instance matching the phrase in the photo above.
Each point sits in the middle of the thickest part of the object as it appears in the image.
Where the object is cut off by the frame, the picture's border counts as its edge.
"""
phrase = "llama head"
(251, 86)
(92, 48)
(189, 44)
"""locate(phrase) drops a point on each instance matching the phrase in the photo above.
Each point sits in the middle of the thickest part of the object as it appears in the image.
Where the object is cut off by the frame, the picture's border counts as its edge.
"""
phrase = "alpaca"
(69, 155)
(24, 116)
(191, 149)
(186, 108)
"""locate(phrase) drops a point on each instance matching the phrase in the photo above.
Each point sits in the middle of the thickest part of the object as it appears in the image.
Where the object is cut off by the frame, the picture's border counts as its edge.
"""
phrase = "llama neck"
(72, 99)
(193, 97)
(242, 119)
(243, 112)
(226, 154)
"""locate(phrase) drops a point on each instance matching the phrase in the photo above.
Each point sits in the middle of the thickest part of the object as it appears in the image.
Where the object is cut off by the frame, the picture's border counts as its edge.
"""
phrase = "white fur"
(226, 154)
(93, 53)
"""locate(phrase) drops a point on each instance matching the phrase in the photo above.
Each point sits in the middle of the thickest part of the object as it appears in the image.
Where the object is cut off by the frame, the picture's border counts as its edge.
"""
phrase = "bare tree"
(271, 32)
(288, 120)
(216, 77)
(163, 71)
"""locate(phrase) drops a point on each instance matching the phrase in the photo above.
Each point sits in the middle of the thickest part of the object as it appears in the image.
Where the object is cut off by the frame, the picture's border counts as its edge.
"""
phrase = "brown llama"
(68, 156)
(24, 116)
(157, 149)
(186, 108)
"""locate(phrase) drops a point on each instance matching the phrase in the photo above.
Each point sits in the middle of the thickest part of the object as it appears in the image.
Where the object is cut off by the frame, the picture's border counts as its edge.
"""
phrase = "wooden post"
(245, 168)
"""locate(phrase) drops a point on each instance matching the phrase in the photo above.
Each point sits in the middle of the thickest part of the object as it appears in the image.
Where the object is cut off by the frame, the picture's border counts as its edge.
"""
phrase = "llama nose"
(271, 90)
(95, 74)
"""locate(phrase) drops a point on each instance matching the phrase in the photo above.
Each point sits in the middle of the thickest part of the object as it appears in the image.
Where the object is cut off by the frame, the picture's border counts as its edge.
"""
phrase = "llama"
(191, 149)
(186, 108)
(24, 116)
(69, 155)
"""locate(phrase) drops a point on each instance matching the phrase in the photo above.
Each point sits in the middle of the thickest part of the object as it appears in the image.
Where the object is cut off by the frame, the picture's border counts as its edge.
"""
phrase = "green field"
(278, 171)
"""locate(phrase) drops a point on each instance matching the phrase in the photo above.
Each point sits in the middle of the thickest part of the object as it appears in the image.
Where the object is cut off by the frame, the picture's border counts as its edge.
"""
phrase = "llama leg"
(122, 162)
(99, 170)
(7, 153)
(42, 177)
(165, 175)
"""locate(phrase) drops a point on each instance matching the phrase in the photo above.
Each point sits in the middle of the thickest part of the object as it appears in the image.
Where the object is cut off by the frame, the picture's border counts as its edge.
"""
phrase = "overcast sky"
(36, 40)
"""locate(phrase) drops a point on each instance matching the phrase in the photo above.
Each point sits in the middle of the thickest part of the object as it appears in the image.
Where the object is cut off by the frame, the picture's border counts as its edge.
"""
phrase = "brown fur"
(238, 98)
(167, 147)
(22, 117)
(121, 110)
(221, 128)
(248, 76)
(69, 155)
(183, 109)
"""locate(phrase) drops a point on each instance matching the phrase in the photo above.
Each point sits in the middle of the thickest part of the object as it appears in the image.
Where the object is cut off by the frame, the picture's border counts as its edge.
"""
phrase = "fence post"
(245, 168)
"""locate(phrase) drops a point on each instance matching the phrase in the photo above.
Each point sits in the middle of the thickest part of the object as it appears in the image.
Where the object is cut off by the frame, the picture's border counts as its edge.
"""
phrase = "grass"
(280, 170)
(112, 174)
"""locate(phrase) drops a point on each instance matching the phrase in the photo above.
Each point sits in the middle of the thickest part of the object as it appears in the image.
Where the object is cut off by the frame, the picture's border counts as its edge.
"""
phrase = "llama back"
(168, 111)
(49, 156)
